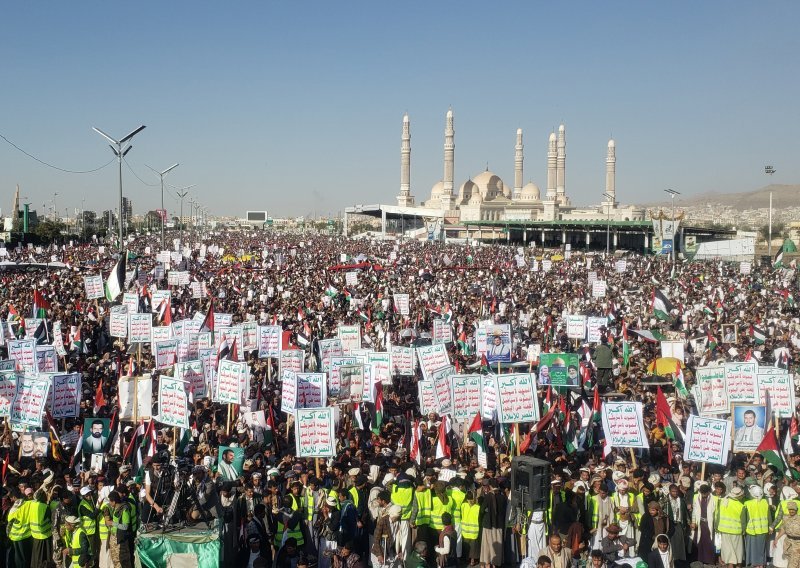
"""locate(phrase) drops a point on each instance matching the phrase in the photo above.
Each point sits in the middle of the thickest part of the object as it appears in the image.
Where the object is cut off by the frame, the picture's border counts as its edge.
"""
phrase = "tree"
(48, 231)
(778, 230)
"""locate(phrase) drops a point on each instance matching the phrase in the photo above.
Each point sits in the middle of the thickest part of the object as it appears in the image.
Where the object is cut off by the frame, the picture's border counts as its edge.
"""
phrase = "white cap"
(85, 490)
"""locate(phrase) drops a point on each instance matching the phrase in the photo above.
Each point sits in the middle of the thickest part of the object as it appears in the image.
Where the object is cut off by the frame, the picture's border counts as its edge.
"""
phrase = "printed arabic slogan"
(172, 408)
(315, 433)
(623, 425)
(516, 398)
(707, 440)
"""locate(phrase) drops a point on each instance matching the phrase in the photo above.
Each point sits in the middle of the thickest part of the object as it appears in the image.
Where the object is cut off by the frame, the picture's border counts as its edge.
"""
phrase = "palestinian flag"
(184, 438)
(115, 283)
(463, 344)
(664, 419)
(377, 421)
(208, 321)
(661, 305)
(594, 419)
(113, 433)
(680, 384)
(626, 347)
(771, 452)
(40, 305)
(712, 341)
(777, 262)
(40, 335)
(331, 291)
(707, 310)
(357, 416)
(651, 335)
(758, 335)
(787, 295)
(475, 434)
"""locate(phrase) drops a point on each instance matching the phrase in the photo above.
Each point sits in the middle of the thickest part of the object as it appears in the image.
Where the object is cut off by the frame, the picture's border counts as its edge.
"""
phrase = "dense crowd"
(375, 503)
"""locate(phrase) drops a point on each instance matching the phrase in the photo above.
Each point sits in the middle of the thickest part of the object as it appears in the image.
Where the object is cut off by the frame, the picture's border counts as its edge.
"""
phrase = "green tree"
(778, 230)
(48, 231)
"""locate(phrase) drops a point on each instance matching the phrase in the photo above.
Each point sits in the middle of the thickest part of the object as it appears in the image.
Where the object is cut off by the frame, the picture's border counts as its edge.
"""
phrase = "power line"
(51, 165)
(137, 176)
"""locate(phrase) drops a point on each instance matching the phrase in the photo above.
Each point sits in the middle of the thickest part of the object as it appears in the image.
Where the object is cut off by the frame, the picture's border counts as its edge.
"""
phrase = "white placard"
(707, 440)
(516, 398)
(623, 425)
(93, 285)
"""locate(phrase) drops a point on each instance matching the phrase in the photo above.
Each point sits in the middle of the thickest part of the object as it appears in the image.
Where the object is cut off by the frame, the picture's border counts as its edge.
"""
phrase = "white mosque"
(486, 197)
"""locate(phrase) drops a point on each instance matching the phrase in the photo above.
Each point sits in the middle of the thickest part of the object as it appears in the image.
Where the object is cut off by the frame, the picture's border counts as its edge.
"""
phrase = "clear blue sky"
(296, 107)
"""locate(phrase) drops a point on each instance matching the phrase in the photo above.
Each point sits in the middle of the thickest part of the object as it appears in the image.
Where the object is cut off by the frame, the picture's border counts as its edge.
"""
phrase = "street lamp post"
(116, 147)
(162, 213)
(672, 193)
(769, 170)
(183, 192)
(609, 202)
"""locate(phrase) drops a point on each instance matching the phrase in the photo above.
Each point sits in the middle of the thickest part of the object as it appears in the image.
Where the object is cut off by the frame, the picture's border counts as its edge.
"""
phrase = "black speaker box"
(530, 483)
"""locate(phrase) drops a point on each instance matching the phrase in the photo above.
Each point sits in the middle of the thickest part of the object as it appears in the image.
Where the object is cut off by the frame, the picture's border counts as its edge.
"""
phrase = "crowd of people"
(374, 504)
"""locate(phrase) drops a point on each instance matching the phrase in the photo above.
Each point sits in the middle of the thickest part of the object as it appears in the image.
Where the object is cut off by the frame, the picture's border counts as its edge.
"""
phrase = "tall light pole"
(55, 209)
(183, 192)
(117, 148)
(610, 201)
(672, 193)
(769, 170)
(163, 212)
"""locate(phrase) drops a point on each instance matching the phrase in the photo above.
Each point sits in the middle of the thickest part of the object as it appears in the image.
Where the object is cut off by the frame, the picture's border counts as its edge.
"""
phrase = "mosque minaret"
(518, 160)
(405, 198)
(552, 155)
(561, 162)
(485, 197)
(611, 172)
(448, 199)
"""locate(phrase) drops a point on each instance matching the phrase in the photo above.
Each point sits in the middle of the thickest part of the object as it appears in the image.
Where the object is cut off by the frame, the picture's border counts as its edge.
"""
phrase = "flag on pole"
(442, 445)
(208, 321)
(680, 384)
(165, 312)
(626, 348)
(378, 420)
(416, 452)
(78, 449)
(661, 305)
(40, 305)
(758, 335)
(116, 279)
(99, 398)
(771, 452)
(270, 431)
(357, 416)
(778, 260)
(55, 439)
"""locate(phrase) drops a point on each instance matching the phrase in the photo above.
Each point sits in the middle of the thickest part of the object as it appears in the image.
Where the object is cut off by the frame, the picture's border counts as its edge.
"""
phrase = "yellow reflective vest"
(470, 524)
(40, 522)
(757, 517)
(438, 508)
(19, 526)
(403, 496)
(729, 515)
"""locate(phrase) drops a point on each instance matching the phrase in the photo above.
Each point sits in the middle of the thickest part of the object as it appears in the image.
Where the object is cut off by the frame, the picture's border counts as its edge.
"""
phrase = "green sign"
(559, 369)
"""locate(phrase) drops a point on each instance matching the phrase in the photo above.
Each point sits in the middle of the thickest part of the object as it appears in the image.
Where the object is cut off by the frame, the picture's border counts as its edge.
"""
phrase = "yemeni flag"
(758, 335)
(99, 398)
(115, 282)
(680, 384)
(777, 262)
(40, 305)
(771, 452)
(416, 452)
(165, 312)
(377, 422)
(661, 305)
(442, 445)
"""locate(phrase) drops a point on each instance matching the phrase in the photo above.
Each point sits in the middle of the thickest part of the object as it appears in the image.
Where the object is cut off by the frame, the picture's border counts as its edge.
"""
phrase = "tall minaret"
(560, 161)
(551, 168)
(611, 172)
(405, 199)
(518, 159)
(448, 199)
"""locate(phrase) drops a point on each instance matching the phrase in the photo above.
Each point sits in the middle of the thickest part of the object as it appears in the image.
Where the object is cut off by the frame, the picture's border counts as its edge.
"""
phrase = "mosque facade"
(486, 197)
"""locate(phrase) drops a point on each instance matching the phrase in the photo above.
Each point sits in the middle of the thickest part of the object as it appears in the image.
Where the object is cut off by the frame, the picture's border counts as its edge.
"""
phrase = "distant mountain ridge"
(782, 196)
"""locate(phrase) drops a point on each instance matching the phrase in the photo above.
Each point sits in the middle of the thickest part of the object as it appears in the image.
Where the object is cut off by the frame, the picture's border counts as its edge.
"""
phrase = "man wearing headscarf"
(702, 525)
(661, 555)
(757, 525)
(729, 522)
(791, 529)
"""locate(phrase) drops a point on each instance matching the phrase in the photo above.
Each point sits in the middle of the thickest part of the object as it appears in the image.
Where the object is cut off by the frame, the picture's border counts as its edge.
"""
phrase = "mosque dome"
(437, 189)
(475, 199)
(467, 189)
(530, 192)
(489, 184)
